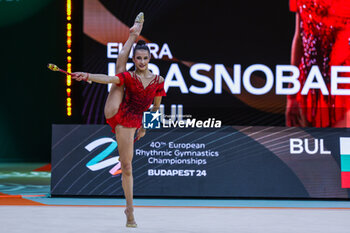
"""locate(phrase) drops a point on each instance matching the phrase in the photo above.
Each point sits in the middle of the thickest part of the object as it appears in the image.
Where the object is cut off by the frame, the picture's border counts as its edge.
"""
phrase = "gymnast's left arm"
(160, 92)
(156, 103)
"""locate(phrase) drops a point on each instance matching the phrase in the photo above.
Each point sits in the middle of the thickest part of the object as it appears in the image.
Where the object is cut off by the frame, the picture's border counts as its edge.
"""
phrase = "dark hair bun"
(141, 42)
(141, 45)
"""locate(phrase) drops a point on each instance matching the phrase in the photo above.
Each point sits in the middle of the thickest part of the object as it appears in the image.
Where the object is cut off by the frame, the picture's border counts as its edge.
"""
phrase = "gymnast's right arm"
(293, 116)
(97, 78)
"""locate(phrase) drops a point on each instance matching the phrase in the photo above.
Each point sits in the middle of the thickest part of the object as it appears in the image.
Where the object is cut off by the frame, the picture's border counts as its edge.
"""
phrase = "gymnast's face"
(141, 59)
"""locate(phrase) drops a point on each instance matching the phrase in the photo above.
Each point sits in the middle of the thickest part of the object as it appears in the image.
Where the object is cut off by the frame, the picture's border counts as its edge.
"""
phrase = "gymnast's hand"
(79, 76)
(294, 116)
(140, 133)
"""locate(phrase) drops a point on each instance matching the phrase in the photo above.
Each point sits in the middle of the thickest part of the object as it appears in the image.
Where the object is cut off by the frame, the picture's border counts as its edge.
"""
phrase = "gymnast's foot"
(130, 219)
(136, 29)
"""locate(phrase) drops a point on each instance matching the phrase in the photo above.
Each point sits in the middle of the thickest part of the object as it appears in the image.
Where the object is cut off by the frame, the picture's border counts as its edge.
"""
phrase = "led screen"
(249, 63)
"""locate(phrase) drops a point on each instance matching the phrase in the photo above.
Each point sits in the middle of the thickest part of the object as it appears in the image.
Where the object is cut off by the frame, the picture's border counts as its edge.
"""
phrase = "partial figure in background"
(322, 37)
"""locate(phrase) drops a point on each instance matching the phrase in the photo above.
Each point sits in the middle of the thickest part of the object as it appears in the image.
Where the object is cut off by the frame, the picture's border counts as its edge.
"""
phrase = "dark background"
(206, 31)
(33, 98)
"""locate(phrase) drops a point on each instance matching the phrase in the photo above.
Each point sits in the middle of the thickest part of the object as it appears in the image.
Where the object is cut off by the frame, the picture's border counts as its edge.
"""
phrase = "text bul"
(298, 146)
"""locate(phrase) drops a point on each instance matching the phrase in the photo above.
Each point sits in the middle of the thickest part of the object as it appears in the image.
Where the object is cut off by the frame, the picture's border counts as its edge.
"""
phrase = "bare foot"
(130, 219)
(137, 28)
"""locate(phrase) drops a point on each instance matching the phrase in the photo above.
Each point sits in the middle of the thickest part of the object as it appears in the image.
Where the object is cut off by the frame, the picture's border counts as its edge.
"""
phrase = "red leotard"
(325, 33)
(137, 99)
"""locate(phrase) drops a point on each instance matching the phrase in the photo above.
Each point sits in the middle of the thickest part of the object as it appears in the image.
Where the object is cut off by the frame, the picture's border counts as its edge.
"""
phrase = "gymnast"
(124, 111)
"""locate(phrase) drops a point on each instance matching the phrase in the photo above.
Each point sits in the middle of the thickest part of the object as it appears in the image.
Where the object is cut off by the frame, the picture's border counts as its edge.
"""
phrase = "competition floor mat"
(26, 206)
